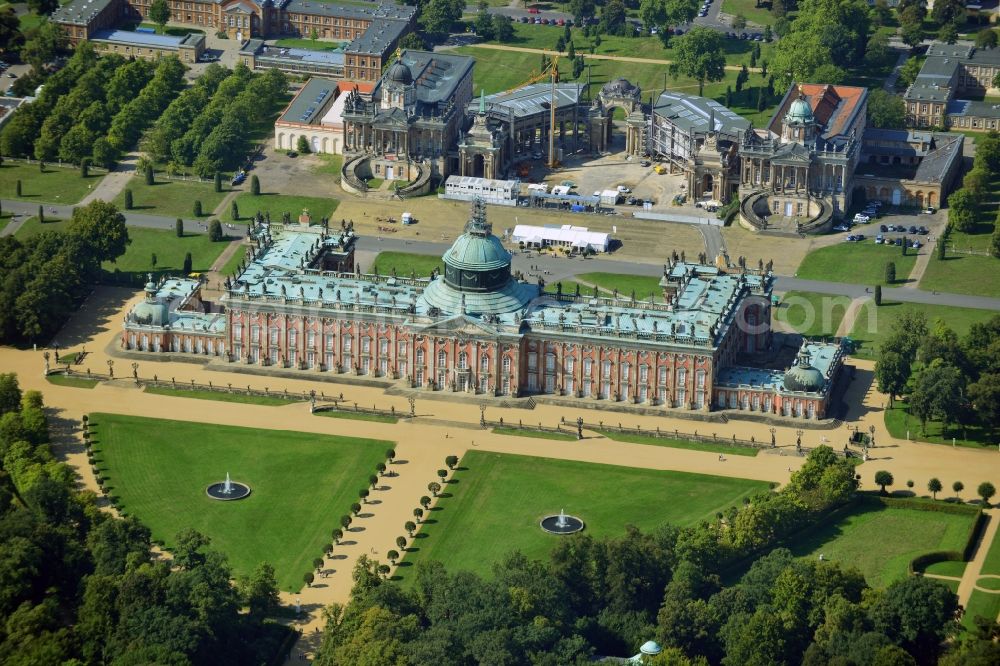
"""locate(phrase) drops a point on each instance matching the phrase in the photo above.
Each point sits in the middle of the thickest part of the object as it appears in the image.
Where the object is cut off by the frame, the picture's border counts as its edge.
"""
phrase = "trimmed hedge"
(920, 563)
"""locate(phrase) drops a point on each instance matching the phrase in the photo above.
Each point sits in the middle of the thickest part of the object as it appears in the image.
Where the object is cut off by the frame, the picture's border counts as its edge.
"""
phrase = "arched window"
(442, 358)
(463, 360)
(484, 363)
(420, 357)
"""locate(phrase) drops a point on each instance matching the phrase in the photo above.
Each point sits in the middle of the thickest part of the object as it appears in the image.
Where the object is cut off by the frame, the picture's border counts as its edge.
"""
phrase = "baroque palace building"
(296, 303)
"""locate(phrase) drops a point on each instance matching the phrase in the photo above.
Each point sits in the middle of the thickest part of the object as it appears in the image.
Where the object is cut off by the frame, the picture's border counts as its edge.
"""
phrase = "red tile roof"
(833, 106)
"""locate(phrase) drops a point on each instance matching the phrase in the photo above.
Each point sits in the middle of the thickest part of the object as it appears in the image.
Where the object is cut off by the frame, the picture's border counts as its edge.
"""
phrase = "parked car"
(850, 239)
(859, 237)
(923, 231)
(645, 163)
(524, 19)
(883, 228)
(898, 242)
(879, 239)
(913, 229)
(930, 210)
(861, 218)
(561, 22)
(915, 244)
(533, 10)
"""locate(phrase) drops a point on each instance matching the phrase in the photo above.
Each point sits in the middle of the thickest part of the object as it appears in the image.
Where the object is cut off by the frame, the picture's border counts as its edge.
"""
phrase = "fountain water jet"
(561, 524)
(228, 490)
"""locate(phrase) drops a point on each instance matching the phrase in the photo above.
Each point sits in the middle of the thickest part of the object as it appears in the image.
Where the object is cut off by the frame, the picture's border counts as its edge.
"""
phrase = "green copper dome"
(151, 312)
(473, 252)
(477, 277)
(803, 377)
(799, 112)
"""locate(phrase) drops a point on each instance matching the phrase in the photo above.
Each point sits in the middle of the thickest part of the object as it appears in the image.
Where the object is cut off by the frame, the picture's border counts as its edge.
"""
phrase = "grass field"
(880, 541)
(899, 422)
(169, 249)
(988, 583)
(748, 8)
(962, 274)
(947, 568)
(32, 227)
(625, 284)
(681, 443)
(529, 35)
(812, 314)
(277, 204)
(71, 380)
(58, 185)
(230, 266)
(874, 323)
(538, 434)
(172, 198)
(497, 500)
(856, 263)
(992, 563)
(329, 164)
(309, 44)
(301, 483)
(982, 604)
(221, 396)
(406, 263)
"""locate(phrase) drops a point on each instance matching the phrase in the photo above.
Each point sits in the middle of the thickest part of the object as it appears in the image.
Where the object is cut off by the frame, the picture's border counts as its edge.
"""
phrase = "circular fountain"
(561, 524)
(228, 490)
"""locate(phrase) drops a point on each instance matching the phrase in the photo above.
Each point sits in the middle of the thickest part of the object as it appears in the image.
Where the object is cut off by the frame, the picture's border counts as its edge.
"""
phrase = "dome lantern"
(803, 377)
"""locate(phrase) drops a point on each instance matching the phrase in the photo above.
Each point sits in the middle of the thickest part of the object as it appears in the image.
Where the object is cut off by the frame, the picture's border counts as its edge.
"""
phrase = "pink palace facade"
(296, 304)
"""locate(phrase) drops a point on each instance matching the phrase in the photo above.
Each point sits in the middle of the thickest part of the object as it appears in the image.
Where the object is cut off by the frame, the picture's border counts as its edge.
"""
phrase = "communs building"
(316, 112)
(130, 44)
(296, 305)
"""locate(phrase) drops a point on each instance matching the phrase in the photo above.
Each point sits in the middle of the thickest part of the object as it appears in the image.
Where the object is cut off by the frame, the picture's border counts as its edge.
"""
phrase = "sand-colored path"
(973, 570)
(423, 444)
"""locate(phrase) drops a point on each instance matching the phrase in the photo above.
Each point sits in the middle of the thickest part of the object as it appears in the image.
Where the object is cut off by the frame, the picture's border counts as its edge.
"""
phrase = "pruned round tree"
(883, 479)
(451, 461)
(934, 486)
(986, 491)
(410, 527)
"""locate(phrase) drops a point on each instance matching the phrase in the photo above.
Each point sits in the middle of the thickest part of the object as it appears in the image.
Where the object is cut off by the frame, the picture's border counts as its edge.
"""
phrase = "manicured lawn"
(32, 227)
(375, 183)
(982, 604)
(329, 164)
(169, 249)
(857, 263)
(681, 443)
(72, 380)
(748, 8)
(538, 434)
(568, 287)
(407, 263)
(301, 482)
(947, 568)
(280, 203)
(533, 36)
(988, 583)
(358, 416)
(899, 422)
(59, 185)
(880, 541)
(4, 220)
(812, 314)
(172, 198)
(310, 44)
(497, 500)
(874, 323)
(962, 274)
(992, 563)
(625, 284)
(221, 396)
(230, 266)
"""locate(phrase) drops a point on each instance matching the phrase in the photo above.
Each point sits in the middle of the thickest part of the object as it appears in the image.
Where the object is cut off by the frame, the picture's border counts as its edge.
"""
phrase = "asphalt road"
(553, 269)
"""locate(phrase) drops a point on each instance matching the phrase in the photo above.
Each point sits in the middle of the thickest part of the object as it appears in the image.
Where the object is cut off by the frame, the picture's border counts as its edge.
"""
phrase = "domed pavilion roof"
(620, 87)
(477, 277)
(400, 73)
(803, 377)
(799, 111)
(151, 312)
(650, 647)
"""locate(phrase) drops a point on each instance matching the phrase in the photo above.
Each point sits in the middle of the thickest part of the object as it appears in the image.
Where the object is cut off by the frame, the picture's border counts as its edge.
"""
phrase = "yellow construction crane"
(552, 73)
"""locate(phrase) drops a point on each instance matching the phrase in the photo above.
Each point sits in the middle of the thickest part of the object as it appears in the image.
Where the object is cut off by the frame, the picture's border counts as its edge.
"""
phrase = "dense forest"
(45, 277)
(608, 596)
(80, 587)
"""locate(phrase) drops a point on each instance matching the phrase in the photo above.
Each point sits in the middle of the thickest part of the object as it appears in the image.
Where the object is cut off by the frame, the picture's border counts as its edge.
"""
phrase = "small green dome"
(650, 647)
(803, 377)
(151, 313)
(799, 112)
